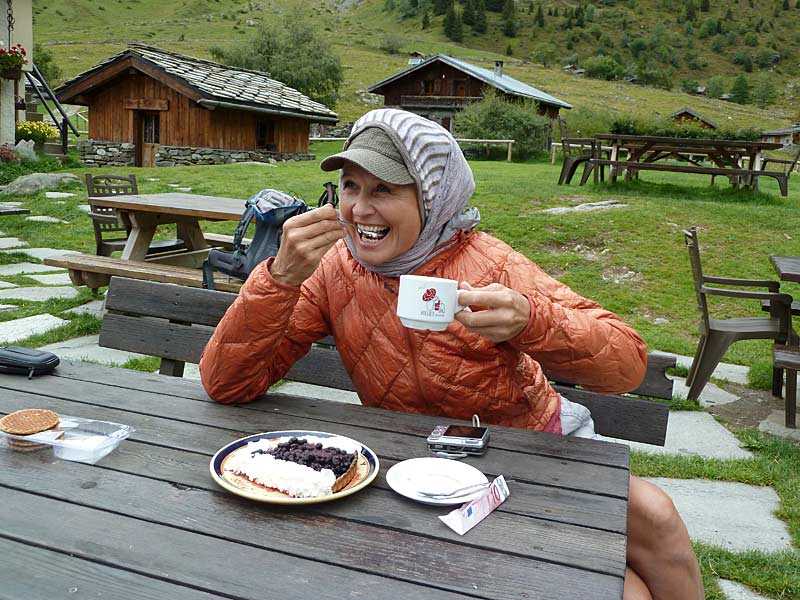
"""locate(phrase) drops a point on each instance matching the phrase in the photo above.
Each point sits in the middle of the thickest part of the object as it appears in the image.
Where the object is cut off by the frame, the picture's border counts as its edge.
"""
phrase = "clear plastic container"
(75, 439)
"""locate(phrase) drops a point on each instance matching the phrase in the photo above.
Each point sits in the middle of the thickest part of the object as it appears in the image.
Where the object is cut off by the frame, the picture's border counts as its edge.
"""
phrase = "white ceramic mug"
(427, 302)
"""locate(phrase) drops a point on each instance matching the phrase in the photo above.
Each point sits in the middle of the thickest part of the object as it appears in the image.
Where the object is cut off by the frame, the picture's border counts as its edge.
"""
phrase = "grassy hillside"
(82, 32)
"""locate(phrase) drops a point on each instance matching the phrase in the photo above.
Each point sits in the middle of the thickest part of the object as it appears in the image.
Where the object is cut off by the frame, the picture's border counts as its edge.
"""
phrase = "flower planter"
(13, 74)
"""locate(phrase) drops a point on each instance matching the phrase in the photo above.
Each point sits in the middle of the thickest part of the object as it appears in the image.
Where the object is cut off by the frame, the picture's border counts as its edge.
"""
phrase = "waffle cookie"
(27, 422)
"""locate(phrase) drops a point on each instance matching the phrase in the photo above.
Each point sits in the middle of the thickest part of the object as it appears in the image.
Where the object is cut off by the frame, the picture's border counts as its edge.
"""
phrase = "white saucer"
(407, 478)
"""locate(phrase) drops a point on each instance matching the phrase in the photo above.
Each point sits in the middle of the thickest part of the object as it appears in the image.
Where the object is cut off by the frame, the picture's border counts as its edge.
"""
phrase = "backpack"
(270, 209)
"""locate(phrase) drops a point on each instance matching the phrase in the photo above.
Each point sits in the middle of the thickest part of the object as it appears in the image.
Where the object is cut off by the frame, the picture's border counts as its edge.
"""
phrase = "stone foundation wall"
(97, 153)
(170, 156)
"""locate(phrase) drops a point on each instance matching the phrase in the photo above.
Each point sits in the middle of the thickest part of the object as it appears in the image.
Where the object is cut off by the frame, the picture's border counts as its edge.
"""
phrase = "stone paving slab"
(42, 253)
(712, 394)
(725, 371)
(736, 591)
(586, 207)
(7, 307)
(87, 348)
(84, 208)
(693, 433)
(5, 285)
(45, 219)
(19, 329)
(10, 204)
(12, 242)
(732, 515)
(55, 195)
(53, 279)
(26, 267)
(39, 294)
(774, 424)
(95, 307)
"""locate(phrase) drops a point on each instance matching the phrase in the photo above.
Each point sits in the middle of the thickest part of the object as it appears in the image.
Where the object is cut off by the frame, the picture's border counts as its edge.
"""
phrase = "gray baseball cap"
(374, 151)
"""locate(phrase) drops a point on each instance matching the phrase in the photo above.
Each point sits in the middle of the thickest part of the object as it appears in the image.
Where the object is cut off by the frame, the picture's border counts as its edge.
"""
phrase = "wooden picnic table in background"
(148, 520)
(727, 156)
(788, 267)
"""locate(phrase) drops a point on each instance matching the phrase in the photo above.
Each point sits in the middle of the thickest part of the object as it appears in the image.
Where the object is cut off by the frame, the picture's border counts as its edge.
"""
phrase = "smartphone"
(459, 438)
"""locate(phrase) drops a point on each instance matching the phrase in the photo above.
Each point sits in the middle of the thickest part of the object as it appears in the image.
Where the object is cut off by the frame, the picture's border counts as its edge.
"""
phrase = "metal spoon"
(462, 491)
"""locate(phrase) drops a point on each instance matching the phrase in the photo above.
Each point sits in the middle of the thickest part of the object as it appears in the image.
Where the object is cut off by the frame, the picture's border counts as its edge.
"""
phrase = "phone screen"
(465, 431)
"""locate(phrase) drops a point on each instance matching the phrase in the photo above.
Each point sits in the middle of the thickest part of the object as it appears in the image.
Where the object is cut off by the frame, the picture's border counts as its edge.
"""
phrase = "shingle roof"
(503, 82)
(784, 131)
(695, 114)
(216, 82)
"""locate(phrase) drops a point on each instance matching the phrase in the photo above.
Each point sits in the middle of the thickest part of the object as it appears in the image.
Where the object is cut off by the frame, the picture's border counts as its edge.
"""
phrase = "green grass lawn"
(739, 231)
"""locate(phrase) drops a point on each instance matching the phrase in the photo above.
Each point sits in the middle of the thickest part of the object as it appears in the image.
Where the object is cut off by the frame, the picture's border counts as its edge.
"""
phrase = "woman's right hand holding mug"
(304, 241)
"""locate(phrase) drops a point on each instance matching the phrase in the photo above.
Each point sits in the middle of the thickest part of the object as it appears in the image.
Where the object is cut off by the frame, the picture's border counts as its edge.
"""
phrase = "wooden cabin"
(152, 107)
(688, 115)
(440, 86)
(788, 136)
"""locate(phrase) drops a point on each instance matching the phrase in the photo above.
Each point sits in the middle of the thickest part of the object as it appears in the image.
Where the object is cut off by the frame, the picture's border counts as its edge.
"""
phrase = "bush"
(391, 43)
(628, 125)
(585, 122)
(38, 131)
(494, 117)
(292, 52)
(9, 171)
(751, 39)
(603, 67)
(689, 86)
(8, 155)
(716, 86)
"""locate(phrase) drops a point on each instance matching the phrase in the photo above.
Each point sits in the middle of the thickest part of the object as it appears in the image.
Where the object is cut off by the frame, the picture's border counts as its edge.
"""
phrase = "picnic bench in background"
(174, 323)
(726, 158)
(145, 213)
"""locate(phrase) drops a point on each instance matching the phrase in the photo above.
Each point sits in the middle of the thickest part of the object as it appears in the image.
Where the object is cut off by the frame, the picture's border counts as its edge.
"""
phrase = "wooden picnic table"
(147, 211)
(727, 156)
(788, 267)
(148, 521)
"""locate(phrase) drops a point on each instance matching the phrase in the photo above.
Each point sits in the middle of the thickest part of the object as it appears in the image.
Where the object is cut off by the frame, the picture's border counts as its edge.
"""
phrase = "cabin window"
(265, 135)
(151, 133)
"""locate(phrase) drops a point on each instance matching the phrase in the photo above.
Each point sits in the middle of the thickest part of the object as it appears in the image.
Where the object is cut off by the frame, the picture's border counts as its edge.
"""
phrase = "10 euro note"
(464, 518)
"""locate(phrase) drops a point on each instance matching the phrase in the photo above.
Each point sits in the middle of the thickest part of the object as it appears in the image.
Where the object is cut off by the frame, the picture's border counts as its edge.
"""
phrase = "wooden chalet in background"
(688, 115)
(440, 86)
(148, 106)
(788, 136)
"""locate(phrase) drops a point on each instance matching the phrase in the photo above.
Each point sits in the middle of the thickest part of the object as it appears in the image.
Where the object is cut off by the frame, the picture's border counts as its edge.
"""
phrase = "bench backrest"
(175, 322)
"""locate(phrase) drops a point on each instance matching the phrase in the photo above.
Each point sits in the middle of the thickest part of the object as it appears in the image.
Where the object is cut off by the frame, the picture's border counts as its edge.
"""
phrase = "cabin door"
(148, 134)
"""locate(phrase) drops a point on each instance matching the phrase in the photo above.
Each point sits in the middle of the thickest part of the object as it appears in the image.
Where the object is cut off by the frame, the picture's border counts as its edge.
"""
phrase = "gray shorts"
(576, 420)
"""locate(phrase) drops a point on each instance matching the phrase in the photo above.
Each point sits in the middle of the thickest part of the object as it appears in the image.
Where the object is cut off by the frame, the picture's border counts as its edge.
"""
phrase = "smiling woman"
(405, 198)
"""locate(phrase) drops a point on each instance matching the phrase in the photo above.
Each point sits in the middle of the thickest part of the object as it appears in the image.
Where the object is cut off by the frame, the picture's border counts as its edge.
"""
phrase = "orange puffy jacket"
(455, 373)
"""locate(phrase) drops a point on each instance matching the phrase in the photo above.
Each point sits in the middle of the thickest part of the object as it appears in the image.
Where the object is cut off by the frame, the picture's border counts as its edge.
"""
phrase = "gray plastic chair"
(717, 335)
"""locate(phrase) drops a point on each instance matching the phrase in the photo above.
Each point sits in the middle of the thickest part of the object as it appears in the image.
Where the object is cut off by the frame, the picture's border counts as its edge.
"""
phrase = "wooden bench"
(174, 323)
(220, 240)
(788, 357)
(96, 271)
(633, 166)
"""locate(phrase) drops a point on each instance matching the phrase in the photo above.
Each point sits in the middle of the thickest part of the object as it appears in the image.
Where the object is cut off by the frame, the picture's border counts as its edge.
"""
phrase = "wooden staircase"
(37, 92)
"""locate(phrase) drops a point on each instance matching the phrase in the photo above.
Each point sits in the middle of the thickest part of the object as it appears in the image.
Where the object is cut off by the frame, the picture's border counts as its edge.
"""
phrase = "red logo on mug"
(429, 294)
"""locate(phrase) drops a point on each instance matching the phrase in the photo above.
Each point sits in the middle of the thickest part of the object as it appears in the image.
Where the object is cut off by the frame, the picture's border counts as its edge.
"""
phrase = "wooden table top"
(148, 520)
(788, 267)
(689, 142)
(176, 203)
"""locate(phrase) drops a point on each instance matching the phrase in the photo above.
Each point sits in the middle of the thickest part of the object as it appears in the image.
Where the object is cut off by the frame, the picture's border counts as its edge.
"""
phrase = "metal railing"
(36, 79)
(440, 101)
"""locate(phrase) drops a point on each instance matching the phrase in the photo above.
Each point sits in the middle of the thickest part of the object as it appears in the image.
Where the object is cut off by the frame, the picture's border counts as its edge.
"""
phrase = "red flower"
(429, 294)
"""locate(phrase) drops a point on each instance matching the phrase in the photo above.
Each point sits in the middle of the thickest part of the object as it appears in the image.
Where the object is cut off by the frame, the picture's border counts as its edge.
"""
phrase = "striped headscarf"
(444, 184)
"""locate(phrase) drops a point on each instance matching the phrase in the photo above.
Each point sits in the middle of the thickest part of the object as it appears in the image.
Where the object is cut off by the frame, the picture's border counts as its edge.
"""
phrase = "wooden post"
(508, 158)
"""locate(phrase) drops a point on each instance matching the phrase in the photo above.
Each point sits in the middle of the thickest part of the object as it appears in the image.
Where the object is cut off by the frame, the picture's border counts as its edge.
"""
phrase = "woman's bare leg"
(659, 549)
(635, 589)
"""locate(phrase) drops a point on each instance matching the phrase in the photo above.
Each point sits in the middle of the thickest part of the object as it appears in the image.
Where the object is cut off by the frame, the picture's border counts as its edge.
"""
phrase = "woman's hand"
(497, 313)
(304, 241)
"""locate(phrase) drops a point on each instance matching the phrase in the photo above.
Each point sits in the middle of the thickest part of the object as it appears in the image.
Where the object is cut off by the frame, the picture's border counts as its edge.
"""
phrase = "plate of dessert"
(294, 467)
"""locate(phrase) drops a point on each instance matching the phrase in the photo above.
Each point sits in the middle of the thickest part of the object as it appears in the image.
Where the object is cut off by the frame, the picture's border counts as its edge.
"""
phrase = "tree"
(540, 16)
(715, 87)
(495, 5)
(43, 58)
(426, 19)
(388, 5)
(786, 5)
(689, 86)
(480, 17)
(509, 50)
(440, 6)
(691, 11)
(469, 13)
(510, 18)
(705, 5)
(764, 91)
(740, 92)
(453, 24)
(292, 52)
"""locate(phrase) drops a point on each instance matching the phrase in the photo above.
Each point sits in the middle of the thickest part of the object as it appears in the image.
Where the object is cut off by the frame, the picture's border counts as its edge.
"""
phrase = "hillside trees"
(292, 52)
(453, 24)
(740, 92)
(509, 18)
(715, 87)
(480, 17)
